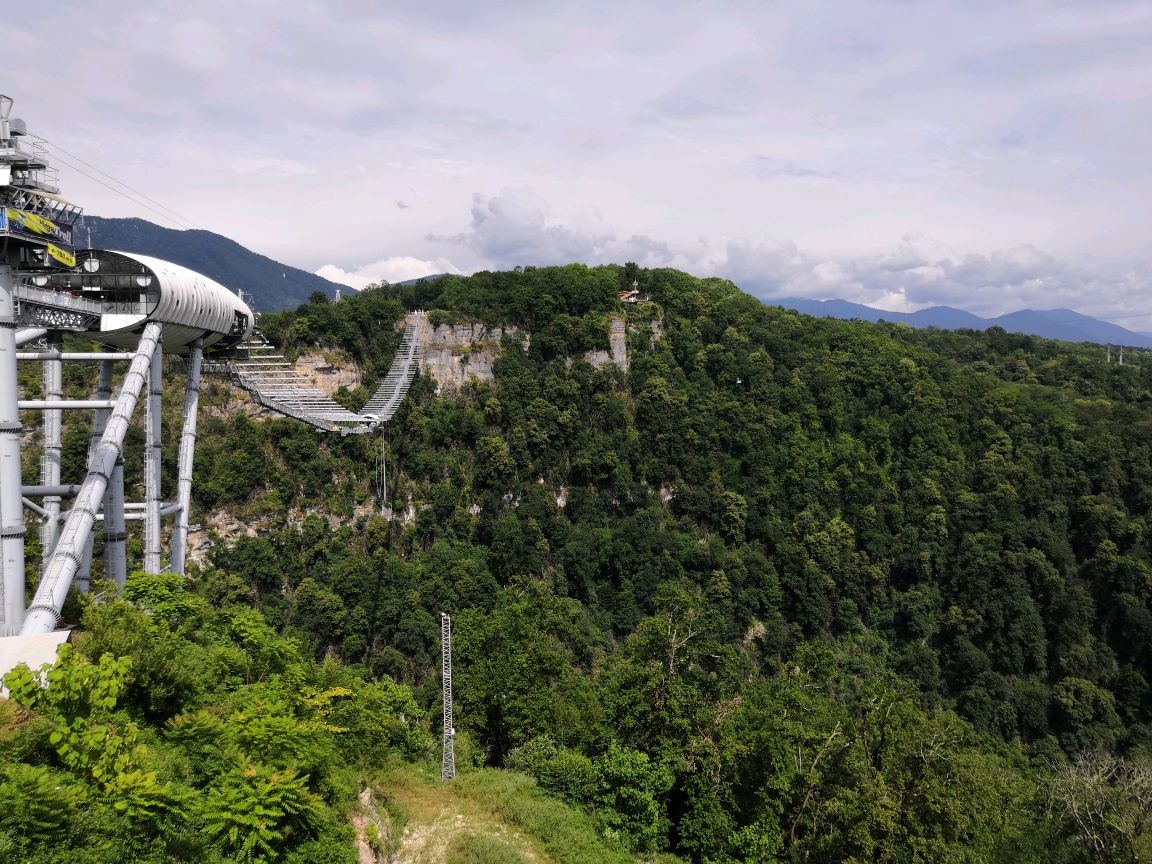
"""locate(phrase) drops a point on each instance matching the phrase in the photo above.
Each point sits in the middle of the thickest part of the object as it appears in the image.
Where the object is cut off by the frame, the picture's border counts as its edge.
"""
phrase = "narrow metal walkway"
(261, 370)
(257, 367)
(388, 396)
(38, 307)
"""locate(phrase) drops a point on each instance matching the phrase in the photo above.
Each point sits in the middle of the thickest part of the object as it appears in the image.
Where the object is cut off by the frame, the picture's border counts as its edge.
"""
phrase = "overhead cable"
(166, 213)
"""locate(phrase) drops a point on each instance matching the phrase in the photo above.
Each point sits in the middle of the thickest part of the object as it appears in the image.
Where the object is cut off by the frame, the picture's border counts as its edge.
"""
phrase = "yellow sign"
(32, 227)
(62, 255)
(34, 223)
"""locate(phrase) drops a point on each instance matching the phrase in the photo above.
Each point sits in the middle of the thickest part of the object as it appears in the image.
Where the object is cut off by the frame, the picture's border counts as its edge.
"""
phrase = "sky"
(987, 155)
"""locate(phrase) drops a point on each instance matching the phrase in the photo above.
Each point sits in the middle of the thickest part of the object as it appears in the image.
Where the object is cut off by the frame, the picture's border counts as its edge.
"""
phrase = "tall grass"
(568, 835)
(482, 849)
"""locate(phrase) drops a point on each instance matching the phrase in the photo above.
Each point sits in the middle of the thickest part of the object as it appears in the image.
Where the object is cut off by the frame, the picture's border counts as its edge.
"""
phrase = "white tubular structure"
(11, 505)
(187, 455)
(73, 355)
(29, 334)
(50, 459)
(133, 289)
(63, 404)
(53, 590)
(152, 463)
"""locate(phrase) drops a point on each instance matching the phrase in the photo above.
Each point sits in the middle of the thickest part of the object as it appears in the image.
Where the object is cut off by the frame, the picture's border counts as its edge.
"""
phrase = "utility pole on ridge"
(448, 758)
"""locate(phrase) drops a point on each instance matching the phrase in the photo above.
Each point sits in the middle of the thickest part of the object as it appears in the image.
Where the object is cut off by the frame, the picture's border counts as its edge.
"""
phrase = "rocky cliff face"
(328, 372)
(455, 353)
(617, 352)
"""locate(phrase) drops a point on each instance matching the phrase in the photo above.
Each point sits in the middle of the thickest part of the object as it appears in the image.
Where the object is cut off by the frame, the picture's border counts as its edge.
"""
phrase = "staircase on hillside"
(388, 396)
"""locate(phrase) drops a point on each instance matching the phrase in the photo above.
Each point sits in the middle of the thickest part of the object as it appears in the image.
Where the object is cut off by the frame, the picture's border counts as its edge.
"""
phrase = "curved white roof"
(190, 305)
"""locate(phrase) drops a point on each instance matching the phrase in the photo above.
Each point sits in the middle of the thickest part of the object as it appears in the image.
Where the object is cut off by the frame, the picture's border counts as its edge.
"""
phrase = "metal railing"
(257, 367)
(388, 396)
(274, 383)
(56, 299)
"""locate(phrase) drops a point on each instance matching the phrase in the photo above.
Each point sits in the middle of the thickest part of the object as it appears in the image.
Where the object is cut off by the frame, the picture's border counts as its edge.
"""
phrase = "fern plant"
(252, 812)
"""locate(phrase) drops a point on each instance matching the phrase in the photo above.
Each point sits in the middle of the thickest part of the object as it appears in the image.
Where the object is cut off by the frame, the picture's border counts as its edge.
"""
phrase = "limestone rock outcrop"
(453, 354)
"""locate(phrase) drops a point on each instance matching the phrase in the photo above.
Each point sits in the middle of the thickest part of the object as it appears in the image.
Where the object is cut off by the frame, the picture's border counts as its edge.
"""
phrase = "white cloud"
(397, 269)
(200, 45)
(790, 145)
(517, 227)
(919, 274)
(272, 166)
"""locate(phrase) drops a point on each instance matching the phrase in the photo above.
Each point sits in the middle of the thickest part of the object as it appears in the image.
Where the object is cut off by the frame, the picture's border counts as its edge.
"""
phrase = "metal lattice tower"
(448, 759)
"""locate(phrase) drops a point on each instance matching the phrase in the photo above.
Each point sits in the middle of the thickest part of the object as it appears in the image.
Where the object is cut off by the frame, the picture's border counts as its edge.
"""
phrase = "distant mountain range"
(1061, 324)
(270, 285)
(273, 286)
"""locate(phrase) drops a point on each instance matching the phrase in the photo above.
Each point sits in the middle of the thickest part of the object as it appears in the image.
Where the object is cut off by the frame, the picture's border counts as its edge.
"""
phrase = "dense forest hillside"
(787, 589)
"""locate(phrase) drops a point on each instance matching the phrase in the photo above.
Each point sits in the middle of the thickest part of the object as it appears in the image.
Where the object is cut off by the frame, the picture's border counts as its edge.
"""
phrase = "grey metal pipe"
(11, 505)
(56, 354)
(99, 421)
(115, 537)
(50, 456)
(64, 490)
(187, 456)
(29, 334)
(141, 515)
(115, 551)
(68, 404)
(152, 463)
(53, 589)
(36, 508)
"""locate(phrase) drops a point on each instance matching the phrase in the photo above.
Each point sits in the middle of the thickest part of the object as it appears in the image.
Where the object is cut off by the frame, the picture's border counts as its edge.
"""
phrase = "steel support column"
(152, 526)
(152, 463)
(11, 505)
(50, 457)
(448, 745)
(187, 454)
(115, 537)
(99, 422)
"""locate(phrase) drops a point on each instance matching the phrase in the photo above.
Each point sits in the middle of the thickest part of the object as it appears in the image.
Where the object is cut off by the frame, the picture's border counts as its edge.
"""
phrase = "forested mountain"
(1062, 324)
(272, 286)
(787, 589)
